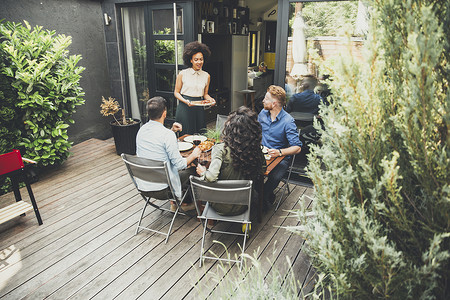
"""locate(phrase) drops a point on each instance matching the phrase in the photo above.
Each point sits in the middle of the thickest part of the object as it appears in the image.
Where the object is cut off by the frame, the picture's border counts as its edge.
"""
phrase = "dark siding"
(83, 20)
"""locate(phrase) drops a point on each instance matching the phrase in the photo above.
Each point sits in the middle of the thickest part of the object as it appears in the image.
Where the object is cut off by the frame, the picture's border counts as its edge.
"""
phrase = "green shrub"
(252, 282)
(43, 93)
(381, 225)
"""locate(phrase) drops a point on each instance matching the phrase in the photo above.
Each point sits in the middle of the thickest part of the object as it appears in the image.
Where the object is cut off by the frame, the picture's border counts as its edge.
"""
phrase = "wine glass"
(203, 159)
(196, 139)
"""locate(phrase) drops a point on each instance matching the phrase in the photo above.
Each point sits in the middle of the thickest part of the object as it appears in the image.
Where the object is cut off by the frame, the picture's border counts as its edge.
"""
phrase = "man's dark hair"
(309, 82)
(155, 107)
(193, 48)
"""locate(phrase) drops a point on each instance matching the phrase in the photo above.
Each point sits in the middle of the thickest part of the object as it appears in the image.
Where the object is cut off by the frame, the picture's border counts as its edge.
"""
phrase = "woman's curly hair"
(193, 48)
(242, 136)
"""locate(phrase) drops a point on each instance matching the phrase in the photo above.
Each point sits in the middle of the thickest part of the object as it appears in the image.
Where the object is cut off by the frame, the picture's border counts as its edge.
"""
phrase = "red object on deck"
(10, 161)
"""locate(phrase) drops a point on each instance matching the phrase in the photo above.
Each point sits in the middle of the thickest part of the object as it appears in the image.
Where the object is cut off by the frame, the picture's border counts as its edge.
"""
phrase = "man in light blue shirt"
(279, 135)
(154, 141)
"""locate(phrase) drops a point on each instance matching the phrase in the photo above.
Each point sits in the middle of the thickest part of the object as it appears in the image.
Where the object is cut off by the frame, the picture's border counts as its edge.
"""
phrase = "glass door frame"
(282, 38)
(187, 36)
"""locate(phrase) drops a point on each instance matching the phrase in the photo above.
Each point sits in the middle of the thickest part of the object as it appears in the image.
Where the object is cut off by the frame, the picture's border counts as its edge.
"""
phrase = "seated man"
(279, 135)
(306, 101)
(154, 141)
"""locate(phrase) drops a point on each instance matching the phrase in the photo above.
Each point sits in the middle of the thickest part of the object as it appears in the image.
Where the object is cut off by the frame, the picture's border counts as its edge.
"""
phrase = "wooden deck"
(86, 247)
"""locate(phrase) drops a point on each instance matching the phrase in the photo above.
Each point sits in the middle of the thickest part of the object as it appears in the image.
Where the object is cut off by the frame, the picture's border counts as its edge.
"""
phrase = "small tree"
(45, 81)
(381, 225)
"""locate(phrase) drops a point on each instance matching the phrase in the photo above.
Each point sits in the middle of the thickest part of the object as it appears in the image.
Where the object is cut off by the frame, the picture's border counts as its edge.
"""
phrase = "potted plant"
(124, 129)
(214, 134)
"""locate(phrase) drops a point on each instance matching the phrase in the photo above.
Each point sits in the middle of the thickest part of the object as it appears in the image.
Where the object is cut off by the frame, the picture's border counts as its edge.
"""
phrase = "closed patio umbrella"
(362, 20)
(299, 47)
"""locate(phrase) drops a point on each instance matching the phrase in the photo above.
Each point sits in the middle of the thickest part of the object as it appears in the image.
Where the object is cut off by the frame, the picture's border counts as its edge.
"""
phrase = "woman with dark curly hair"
(238, 157)
(192, 85)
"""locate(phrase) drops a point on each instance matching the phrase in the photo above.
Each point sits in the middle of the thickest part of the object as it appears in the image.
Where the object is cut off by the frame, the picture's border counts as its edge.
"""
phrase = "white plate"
(190, 138)
(184, 146)
(267, 156)
(201, 103)
(265, 150)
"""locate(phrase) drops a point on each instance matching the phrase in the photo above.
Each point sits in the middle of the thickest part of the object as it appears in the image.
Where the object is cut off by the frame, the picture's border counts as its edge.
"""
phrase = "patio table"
(271, 164)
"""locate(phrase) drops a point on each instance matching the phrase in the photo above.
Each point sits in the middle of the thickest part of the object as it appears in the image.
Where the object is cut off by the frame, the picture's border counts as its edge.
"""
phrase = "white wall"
(239, 54)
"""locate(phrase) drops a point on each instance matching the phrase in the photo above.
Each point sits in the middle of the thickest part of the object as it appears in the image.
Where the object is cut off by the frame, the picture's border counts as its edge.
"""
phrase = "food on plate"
(206, 145)
(267, 156)
(201, 102)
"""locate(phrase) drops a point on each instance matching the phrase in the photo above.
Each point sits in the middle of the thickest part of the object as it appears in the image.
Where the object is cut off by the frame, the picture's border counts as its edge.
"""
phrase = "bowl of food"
(206, 145)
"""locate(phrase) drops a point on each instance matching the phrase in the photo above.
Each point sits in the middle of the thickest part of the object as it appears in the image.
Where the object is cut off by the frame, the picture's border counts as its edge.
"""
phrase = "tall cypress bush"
(40, 90)
(381, 176)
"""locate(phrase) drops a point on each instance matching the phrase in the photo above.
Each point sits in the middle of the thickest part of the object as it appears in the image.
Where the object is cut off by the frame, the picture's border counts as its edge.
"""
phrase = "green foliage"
(252, 282)
(45, 89)
(214, 134)
(381, 226)
(328, 18)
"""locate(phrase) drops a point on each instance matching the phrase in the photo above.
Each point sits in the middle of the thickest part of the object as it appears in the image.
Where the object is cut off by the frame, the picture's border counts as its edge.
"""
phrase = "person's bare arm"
(195, 154)
(176, 127)
(285, 151)
(176, 92)
(206, 96)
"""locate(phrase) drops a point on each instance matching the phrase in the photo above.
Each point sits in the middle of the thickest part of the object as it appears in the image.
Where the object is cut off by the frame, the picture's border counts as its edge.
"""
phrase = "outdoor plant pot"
(125, 137)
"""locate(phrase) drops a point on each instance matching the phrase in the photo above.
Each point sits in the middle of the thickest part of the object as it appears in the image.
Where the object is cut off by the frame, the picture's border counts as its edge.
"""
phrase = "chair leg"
(33, 202)
(171, 224)
(203, 242)
(281, 196)
(142, 215)
(15, 187)
(243, 245)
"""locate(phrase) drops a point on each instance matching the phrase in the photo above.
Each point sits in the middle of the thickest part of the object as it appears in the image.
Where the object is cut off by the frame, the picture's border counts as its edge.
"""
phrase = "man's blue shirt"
(279, 134)
(306, 101)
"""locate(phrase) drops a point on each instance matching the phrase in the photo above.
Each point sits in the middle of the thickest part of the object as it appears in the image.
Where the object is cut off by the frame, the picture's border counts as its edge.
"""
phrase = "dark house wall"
(83, 21)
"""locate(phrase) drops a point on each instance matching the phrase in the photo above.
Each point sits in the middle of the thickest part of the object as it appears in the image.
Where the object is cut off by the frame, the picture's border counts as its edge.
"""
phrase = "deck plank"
(87, 248)
(272, 238)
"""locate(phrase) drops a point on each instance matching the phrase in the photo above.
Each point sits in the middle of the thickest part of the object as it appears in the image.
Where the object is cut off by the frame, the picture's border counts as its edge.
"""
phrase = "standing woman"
(192, 85)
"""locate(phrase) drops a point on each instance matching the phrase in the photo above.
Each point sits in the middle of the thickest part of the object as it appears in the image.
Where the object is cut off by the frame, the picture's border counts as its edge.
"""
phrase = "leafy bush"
(252, 282)
(381, 226)
(43, 92)
(328, 18)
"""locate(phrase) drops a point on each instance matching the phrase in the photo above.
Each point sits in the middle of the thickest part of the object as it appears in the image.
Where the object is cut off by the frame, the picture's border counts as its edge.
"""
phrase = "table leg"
(260, 189)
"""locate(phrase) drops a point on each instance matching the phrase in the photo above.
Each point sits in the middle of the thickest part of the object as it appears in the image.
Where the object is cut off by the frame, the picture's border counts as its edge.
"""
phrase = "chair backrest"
(220, 122)
(10, 161)
(147, 169)
(236, 192)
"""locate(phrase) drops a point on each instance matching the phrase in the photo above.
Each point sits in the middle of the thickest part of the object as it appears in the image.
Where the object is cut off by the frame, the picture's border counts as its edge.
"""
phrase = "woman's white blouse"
(194, 82)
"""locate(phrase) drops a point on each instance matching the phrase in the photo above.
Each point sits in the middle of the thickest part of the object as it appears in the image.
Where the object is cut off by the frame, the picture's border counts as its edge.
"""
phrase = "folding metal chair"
(11, 165)
(156, 172)
(235, 192)
(220, 122)
(295, 174)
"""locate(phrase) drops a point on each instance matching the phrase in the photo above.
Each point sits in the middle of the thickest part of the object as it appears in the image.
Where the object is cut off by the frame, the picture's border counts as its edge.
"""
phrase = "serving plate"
(184, 146)
(202, 103)
(190, 138)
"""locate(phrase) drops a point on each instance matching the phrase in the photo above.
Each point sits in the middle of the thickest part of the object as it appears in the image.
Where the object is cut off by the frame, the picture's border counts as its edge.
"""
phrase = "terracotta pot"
(125, 137)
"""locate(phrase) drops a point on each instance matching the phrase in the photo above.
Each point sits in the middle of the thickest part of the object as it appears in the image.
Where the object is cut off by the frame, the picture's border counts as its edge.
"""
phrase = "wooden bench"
(14, 210)
(11, 165)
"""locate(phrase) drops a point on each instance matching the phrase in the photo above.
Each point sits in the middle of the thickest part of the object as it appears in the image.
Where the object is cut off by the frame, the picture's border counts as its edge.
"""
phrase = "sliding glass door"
(154, 36)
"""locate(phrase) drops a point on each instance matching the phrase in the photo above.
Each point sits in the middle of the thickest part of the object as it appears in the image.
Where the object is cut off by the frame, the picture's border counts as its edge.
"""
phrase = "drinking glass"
(203, 159)
(196, 139)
